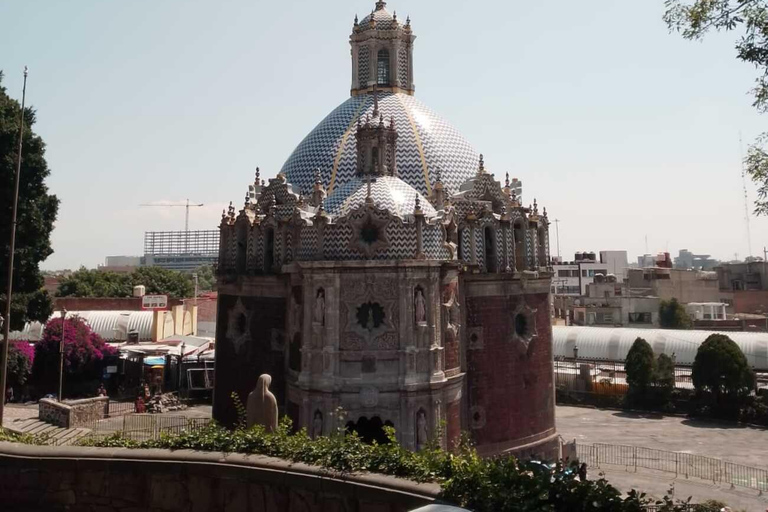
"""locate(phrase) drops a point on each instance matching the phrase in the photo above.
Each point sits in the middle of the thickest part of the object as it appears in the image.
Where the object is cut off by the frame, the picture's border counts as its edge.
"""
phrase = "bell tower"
(382, 53)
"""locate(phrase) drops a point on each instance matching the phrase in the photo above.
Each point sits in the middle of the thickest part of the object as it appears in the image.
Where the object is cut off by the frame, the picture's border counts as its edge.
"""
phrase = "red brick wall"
(510, 386)
(751, 301)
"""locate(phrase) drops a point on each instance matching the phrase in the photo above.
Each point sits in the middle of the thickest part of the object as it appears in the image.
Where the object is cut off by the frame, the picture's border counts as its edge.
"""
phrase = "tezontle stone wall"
(73, 413)
(81, 479)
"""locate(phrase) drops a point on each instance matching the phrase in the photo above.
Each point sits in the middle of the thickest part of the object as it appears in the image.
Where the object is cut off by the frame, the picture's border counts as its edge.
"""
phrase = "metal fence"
(146, 427)
(604, 377)
(681, 464)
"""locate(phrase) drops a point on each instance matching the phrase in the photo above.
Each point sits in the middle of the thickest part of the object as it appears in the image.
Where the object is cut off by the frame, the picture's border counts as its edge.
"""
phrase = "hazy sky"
(621, 129)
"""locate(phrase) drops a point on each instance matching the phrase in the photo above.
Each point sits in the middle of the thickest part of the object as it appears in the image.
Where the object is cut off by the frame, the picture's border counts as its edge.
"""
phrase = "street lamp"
(575, 351)
(61, 353)
(181, 360)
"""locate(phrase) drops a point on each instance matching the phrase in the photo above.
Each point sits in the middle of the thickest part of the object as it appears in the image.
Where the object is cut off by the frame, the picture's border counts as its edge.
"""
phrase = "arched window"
(382, 76)
(490, 250)
(269, 250)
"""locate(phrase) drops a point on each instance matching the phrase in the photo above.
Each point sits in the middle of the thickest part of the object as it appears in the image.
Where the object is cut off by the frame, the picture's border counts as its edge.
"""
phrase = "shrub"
(84, 353)
(640, 369)
(720, 368)
(20, 357)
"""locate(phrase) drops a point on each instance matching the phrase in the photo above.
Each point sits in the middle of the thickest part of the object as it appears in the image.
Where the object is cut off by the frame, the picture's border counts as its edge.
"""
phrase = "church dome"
(387, 192)
(383, 19)
(425, 144)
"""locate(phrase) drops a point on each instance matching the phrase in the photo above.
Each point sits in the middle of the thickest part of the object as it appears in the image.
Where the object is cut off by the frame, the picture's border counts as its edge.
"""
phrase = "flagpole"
(12, 249)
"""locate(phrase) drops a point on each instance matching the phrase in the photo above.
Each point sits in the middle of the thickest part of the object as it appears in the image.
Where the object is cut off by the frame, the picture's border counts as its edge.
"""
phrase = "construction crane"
(187, 206)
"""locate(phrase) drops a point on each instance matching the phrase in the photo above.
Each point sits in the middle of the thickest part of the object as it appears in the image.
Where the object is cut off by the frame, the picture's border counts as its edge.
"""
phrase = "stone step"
(30, 428)
(75, 435)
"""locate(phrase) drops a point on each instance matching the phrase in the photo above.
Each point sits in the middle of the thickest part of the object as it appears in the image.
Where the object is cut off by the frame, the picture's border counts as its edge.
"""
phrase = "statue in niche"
(261, 408)
(319, 315)
(420, 307)
(317, 425)
(421, 429)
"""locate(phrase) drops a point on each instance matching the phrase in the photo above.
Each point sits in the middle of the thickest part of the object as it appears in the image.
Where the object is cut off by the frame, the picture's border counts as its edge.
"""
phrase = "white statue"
(421, 429)
(261, 408)
(319, 316)
(317, 425)
(420, 307)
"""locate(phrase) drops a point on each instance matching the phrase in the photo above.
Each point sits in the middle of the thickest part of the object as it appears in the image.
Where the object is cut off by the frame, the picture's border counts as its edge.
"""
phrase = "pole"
(557, 230)
(11, 250)
(60, 395)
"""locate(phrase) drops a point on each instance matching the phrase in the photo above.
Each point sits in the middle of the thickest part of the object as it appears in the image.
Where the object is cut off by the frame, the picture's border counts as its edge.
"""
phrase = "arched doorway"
(370, 430)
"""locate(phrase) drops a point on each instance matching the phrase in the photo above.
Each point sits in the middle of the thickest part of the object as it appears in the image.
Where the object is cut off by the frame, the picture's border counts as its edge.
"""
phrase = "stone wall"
(104, 480)
(73, 413)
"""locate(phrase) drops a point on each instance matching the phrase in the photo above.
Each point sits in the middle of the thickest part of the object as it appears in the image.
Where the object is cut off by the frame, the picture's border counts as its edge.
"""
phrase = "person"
(9, 395)
(102, 390)
(583, 472)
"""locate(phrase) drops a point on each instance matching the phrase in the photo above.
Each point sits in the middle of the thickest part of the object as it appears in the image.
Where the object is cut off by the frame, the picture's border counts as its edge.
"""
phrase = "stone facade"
(73, 413)
(124, 480)
(373, 304)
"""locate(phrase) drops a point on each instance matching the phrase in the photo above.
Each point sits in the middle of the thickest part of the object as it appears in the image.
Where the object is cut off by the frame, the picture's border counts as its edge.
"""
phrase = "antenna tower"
(746, 200)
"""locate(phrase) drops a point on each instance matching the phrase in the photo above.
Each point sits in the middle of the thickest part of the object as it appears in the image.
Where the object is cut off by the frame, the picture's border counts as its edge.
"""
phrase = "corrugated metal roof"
(115, 325)
(614, 343)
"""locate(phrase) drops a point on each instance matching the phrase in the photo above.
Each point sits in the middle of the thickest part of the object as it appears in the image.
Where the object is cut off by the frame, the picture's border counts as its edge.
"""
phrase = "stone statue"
(261, 408)
(319, 316)
(421, 429)
(317, 425)
(420, 307)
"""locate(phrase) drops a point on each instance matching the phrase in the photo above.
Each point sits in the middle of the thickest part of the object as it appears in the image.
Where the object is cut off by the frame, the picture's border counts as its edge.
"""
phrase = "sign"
(154, 302)
(111, 369)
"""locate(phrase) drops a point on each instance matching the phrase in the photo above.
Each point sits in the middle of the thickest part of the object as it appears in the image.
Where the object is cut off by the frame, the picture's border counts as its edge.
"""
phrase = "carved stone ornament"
(369, 230)
(524, 329)
(369, 396)
(238, 325)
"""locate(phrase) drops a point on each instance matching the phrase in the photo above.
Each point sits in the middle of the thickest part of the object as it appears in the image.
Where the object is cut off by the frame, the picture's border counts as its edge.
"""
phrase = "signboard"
(154, 302)
(111, 369)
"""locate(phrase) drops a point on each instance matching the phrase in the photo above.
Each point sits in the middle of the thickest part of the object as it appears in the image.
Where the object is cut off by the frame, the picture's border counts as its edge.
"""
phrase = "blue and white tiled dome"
(388, 193)
(425, 143)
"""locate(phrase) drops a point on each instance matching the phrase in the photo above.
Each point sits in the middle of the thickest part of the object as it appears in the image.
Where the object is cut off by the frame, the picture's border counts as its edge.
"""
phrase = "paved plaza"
(726, 441)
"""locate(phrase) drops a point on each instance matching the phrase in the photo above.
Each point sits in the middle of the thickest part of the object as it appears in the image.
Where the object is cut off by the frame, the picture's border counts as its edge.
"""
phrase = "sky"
(621, 129)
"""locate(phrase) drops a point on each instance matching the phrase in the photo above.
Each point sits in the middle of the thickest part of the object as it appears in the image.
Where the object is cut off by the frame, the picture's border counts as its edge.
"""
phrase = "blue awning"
(155, 361)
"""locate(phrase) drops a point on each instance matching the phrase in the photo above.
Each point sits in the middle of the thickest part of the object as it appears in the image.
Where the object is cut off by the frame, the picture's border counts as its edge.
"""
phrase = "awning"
(154, 361)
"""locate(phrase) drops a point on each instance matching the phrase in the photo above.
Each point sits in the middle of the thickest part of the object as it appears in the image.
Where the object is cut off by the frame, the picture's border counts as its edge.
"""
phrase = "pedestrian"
(9, 395)
(583, 472)
(102, 391)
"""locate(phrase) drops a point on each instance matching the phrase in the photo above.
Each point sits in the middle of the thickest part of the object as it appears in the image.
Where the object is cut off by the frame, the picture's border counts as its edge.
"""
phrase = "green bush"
(482, 484)
(721, 369)
(640, 366)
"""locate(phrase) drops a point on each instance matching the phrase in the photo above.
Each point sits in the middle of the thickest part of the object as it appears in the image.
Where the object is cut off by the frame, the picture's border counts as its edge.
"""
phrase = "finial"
(372, 23)
(506, 183)
(438, 176)
(394, 16)
(223, 214)
(258, 172)
(408, 21)
(481, 169)
(545, 212)
(318, 181)
(380, 5)
(391, 122)
(514, 195)
(535, 206)
(247, 200)
(231, 210)
(356, 22)
(262, 183)
(418, 203)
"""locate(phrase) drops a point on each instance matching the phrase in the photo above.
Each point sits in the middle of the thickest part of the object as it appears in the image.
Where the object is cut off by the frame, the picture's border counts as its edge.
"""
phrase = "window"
(490, 250)
(640, 318)
(563, 273)
(382, 77)
(583, 273)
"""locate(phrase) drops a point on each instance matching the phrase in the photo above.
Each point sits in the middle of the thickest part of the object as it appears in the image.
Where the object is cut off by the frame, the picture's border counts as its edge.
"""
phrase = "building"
(596, 343)
(609, 302)
(747, 285)
(180, 250)
(385, 272)
(686, 260)
(684, 285)
(572, 278)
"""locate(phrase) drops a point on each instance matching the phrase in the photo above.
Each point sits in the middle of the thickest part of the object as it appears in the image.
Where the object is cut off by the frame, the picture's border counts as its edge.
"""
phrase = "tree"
(36, 214)
(672, 315)
(206, 278)
(721, 368)
(695, 18)
(640, 368)
(84, 353)
(95, 283)
(664, 380)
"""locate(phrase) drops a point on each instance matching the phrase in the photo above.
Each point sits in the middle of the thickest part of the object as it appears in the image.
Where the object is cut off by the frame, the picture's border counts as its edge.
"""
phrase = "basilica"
(384, 277)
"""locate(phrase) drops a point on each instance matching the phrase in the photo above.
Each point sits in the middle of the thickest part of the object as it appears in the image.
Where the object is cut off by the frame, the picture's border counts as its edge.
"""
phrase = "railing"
(146, 427)
(681, 464)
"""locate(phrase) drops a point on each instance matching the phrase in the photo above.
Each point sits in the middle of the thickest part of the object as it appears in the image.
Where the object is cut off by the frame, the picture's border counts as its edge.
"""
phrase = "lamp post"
(61, 354)
(181, 360)
(575, 351)
(11, 251)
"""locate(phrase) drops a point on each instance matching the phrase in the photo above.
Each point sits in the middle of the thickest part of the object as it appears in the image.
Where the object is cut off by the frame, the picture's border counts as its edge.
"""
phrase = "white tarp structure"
(613, 344)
